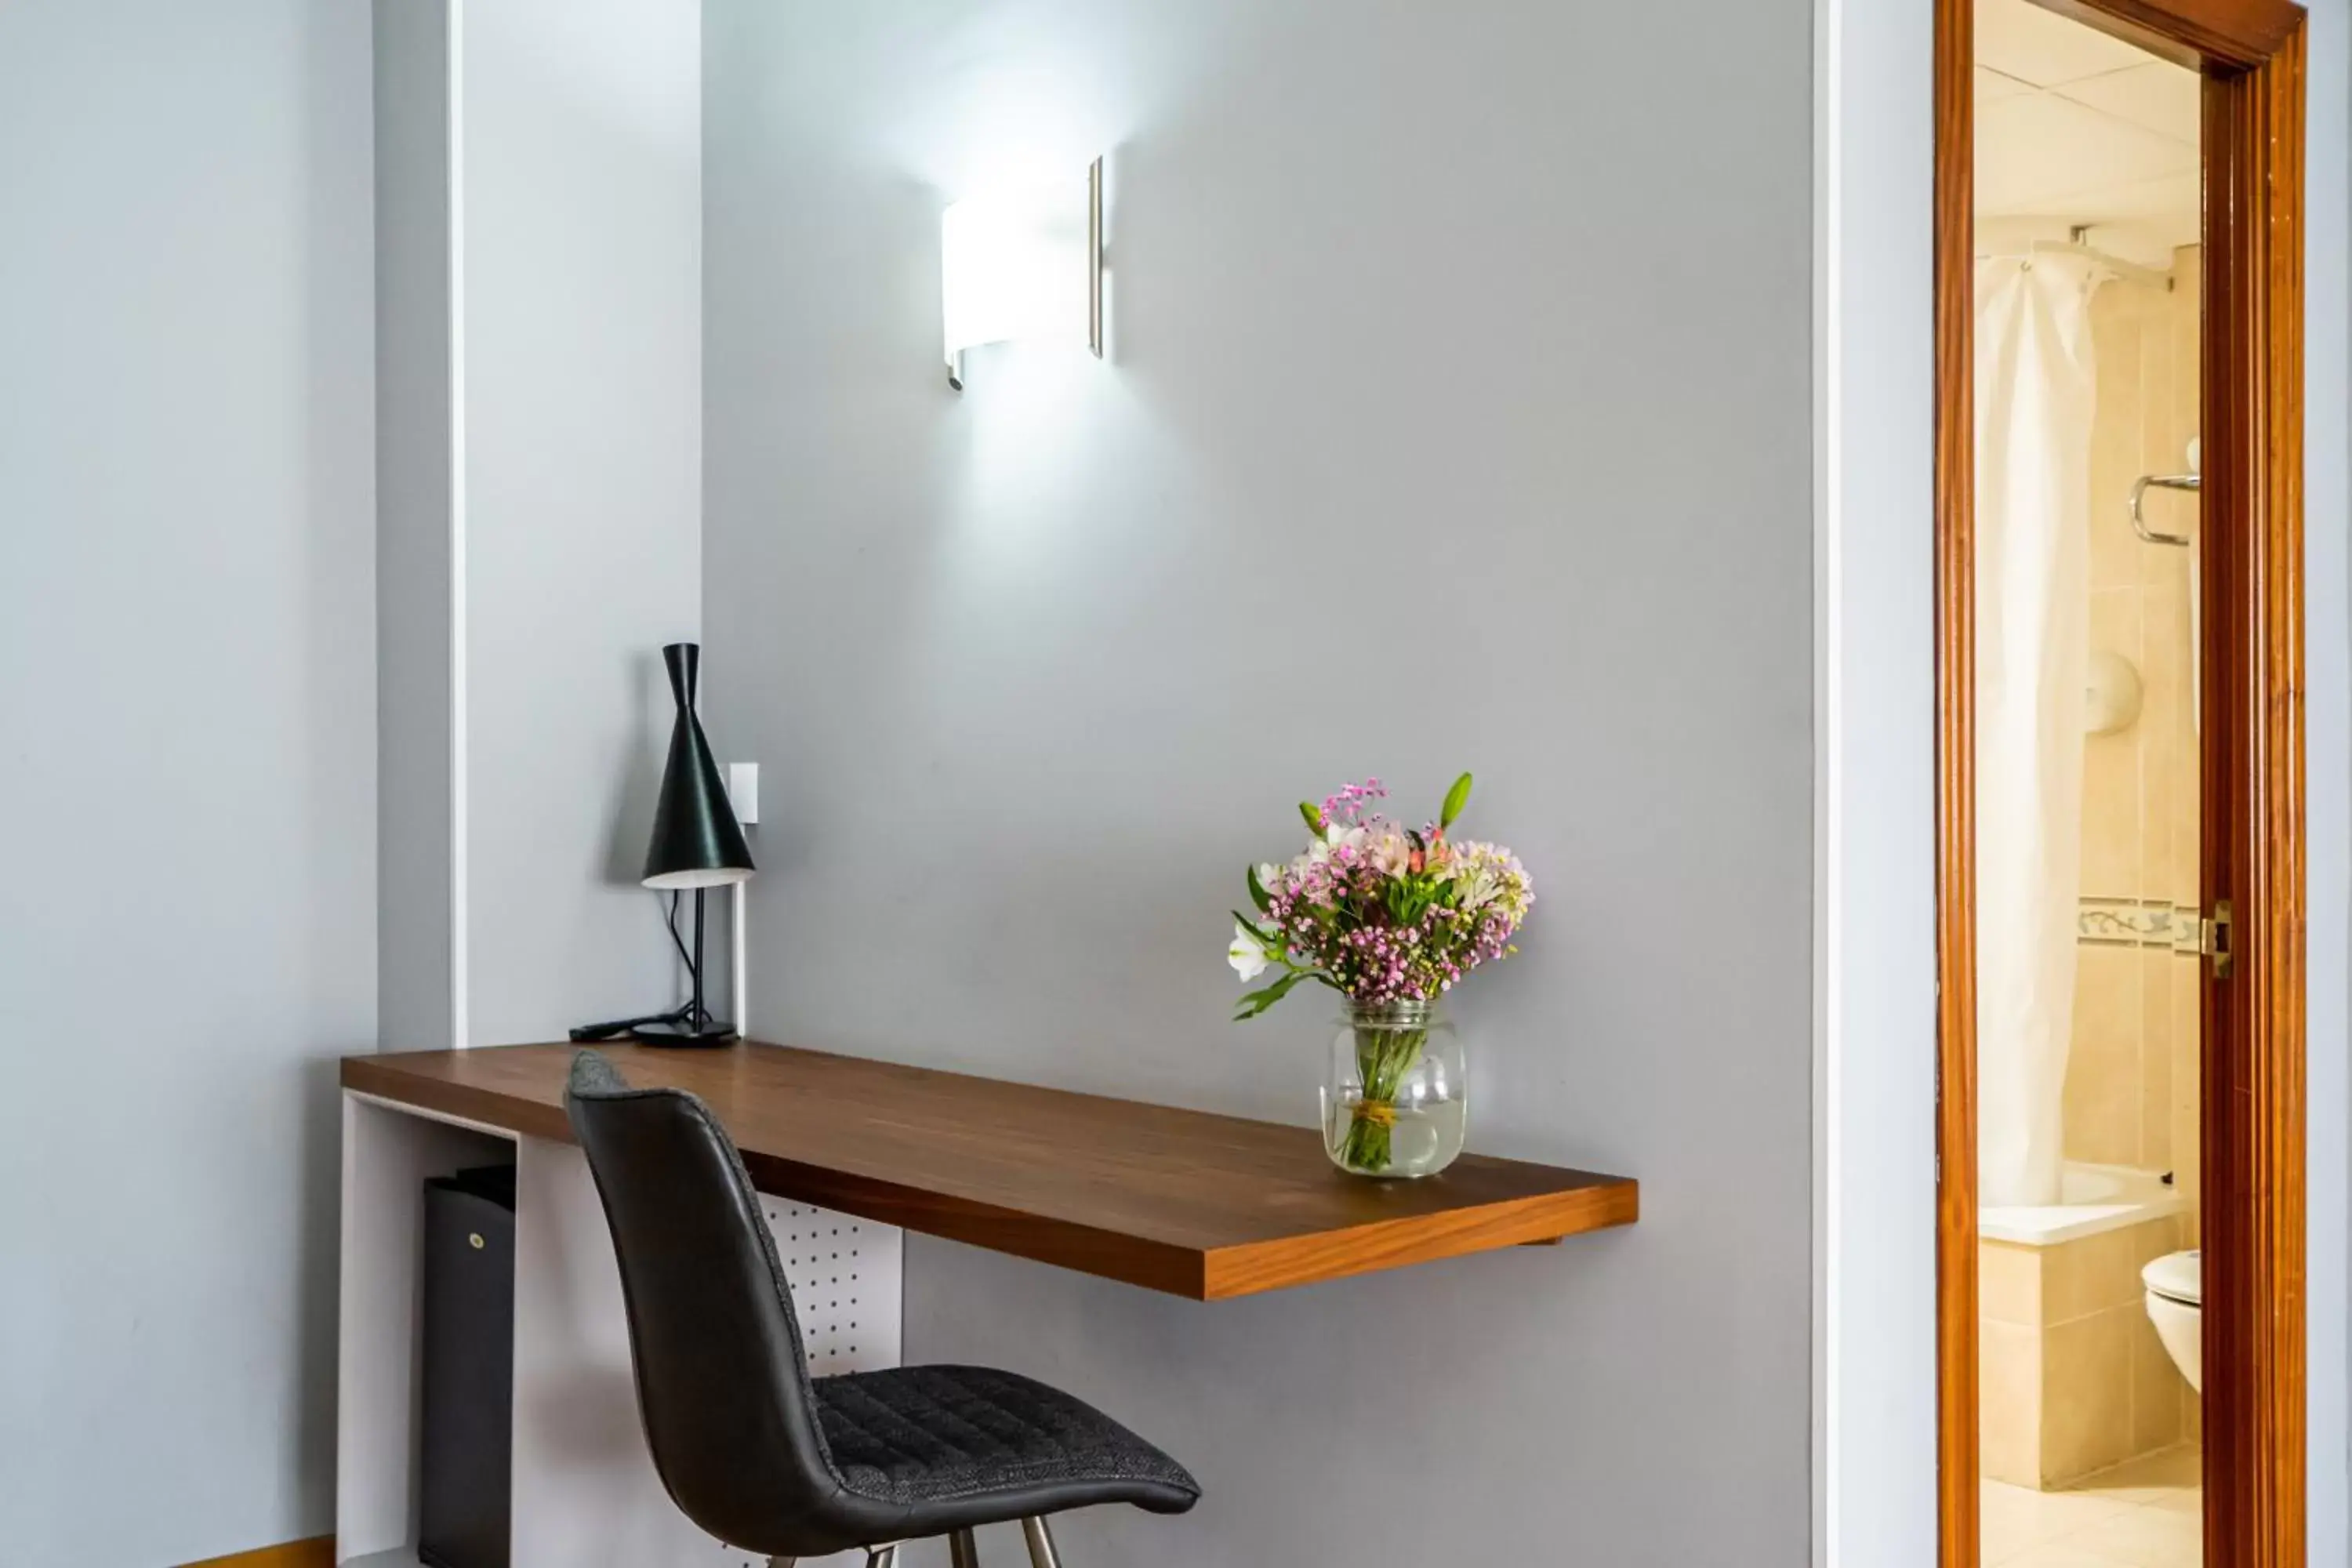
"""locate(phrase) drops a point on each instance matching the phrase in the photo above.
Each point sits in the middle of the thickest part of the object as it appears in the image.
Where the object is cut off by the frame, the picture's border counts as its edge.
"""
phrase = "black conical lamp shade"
(697, 841)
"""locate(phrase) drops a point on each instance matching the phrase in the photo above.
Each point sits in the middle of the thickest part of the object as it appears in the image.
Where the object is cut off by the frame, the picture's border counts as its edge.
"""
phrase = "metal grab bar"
(2163, 482)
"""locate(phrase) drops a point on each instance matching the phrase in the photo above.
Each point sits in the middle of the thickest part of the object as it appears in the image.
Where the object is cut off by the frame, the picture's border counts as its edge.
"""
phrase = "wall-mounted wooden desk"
(849, 1154)
(1199, 1205)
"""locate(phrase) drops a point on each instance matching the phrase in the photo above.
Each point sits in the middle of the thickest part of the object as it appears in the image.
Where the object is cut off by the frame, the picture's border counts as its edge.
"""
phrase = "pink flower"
(1382, 914)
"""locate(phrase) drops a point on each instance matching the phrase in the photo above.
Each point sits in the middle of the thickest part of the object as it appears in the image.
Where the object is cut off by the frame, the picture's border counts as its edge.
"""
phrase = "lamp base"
(674, 1033)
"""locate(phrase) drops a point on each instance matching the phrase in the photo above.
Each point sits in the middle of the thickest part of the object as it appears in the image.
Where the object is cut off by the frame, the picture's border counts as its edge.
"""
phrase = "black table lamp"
(697, 845)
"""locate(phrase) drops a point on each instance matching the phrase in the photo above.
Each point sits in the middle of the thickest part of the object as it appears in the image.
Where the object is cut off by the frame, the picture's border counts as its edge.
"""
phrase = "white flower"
(1488, 874)
(1247, 955)
(1391, 854)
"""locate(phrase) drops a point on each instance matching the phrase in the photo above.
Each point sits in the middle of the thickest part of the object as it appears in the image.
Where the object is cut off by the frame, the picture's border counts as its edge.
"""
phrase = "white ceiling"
(2075, 127)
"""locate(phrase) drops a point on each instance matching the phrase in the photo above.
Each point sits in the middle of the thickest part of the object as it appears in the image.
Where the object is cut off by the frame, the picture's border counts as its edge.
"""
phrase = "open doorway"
(2088, 306)
(2120, 883)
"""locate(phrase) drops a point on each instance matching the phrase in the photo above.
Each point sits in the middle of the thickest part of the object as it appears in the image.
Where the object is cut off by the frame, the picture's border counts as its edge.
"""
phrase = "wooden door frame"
(2251, 53)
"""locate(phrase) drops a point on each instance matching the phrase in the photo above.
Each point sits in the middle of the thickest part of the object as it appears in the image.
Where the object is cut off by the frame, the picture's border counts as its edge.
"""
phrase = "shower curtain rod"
(2129, 271)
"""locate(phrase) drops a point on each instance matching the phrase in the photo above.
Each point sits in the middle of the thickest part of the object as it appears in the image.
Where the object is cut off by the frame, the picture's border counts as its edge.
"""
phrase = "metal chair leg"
(964, 1551)
(1040, 1540)
(782, 1562)
(882, 1556)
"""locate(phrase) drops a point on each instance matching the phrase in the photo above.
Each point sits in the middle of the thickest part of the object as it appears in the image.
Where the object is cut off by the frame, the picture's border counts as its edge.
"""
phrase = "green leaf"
(1265, 938)
(1257, 1002)
(1258, 894)
(1313, 815)
(1455, 799)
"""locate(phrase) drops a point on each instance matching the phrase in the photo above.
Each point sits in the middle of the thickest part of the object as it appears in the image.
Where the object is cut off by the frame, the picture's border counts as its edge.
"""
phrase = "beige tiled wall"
(2072, 1377)
(2131, 1076)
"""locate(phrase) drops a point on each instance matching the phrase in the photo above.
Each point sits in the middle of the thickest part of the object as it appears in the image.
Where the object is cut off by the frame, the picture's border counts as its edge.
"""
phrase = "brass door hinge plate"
(2213, 938)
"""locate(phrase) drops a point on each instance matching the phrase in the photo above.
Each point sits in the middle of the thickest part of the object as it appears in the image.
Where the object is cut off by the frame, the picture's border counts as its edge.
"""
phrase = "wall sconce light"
(1023, 265)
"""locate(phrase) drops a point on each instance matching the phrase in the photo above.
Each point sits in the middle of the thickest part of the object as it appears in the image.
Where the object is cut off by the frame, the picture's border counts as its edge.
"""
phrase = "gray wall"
(539, 319)
(1448, 422)
(582, 367)
(186, 686)
(416, 540)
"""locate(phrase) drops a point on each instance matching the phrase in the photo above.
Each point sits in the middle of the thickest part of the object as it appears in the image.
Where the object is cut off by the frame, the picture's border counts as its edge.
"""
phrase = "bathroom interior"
(2087, 308)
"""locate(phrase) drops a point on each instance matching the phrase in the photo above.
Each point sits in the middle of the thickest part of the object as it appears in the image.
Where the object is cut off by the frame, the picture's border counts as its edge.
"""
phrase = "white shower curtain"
(2034, 392)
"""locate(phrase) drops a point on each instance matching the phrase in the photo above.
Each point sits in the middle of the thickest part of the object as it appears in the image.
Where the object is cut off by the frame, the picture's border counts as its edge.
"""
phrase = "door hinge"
(2214, 938)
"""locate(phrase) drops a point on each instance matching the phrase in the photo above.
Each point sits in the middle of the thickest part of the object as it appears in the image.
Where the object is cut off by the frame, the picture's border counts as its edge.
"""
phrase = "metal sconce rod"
(1095, 259)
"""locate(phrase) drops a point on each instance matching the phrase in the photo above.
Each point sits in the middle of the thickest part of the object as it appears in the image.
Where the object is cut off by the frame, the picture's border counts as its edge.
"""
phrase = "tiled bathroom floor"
(2146, 1514)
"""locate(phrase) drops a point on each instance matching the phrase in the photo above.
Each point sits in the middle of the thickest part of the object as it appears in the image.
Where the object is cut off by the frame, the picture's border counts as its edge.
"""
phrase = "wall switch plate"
(743, 790)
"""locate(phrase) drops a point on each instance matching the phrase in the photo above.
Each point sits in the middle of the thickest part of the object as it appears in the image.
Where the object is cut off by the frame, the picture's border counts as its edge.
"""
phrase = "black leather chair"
(770, 1459)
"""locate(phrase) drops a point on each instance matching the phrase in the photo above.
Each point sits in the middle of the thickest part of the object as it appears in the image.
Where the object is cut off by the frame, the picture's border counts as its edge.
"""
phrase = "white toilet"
(2176, 1305)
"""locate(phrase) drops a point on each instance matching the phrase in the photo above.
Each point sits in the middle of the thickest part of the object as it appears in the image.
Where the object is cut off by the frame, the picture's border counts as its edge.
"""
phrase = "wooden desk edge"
(1544, 1219)
(1111, 1254)
(377, 1076)
(1196, 1274)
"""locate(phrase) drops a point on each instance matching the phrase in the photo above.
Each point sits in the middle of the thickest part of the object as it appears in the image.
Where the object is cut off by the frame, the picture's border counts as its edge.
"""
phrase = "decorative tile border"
(2136, 922)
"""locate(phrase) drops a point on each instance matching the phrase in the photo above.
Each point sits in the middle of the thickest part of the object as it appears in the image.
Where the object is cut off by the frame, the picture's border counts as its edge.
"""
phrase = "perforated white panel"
(844, 1275)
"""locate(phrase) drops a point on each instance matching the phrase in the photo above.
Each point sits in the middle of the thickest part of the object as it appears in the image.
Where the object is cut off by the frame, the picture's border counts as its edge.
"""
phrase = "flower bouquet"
(1392, 917)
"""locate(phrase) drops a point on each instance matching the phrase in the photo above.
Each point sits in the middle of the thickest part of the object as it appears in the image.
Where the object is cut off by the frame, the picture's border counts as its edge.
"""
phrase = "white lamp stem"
(735, 972)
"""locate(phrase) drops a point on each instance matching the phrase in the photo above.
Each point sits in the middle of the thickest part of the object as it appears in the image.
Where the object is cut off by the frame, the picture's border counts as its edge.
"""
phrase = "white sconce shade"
(1023, 266)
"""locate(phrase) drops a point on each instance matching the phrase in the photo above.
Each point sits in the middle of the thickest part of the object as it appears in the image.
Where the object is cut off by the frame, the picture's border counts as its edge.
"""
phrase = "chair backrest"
(722, 1383)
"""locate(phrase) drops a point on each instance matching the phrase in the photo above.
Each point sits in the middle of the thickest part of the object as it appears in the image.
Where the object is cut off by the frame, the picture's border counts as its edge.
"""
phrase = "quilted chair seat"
(938, 1434)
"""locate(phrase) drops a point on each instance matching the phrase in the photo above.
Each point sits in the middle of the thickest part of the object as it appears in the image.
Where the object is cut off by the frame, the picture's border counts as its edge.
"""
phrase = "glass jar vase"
(1395, 1102)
